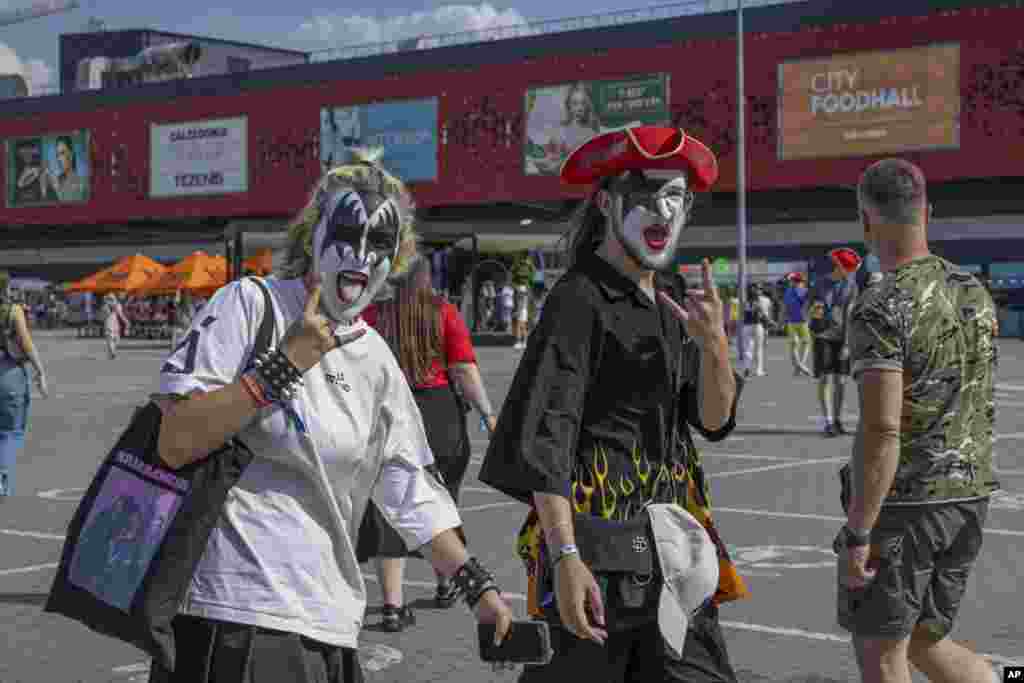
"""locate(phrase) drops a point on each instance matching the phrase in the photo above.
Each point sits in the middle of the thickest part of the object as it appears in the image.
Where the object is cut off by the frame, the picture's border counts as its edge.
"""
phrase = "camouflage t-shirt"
(934, 322)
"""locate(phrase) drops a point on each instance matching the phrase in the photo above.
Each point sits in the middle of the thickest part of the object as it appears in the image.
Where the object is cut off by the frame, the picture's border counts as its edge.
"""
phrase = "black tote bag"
(141, 529)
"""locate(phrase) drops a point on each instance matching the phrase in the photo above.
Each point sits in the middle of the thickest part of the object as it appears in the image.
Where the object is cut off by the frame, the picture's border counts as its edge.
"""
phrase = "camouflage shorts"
(924, 556)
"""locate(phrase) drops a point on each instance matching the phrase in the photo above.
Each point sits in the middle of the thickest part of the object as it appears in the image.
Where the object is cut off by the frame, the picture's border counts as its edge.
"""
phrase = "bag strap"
(266, 331)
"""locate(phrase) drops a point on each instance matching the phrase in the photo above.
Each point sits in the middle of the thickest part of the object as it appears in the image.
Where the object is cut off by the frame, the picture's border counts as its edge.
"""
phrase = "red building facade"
(480, 111)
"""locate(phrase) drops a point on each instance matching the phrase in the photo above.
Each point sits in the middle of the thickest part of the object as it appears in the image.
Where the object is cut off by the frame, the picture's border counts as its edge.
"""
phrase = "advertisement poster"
(199, 158)
(407, 132)
(870, 103)
(48, 169)
(561, 118)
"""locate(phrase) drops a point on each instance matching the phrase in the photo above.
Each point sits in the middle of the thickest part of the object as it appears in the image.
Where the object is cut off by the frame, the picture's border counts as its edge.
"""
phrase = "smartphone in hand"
(527, 642)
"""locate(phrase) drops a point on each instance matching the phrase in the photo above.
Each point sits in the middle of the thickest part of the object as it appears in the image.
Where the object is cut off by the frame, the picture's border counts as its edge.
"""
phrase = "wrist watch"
(848, 538)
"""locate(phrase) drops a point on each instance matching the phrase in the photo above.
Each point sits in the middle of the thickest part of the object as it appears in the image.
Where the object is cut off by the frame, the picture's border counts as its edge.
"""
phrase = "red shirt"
(455, 342)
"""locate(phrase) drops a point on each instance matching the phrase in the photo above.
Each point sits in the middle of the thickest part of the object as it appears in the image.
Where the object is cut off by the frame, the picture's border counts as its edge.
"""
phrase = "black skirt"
(444, 418)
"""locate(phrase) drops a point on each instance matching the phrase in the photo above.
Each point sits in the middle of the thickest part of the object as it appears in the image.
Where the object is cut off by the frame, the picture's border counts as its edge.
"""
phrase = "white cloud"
(39, 74)
(338, 30)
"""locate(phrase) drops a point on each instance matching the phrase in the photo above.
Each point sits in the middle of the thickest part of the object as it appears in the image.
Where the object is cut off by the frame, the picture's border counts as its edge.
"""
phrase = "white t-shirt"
(767, 307)
(283, 555)
(508, 298)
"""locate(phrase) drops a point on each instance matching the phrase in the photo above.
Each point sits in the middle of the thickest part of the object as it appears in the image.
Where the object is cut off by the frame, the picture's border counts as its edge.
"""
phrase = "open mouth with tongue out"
(656, 237)
(350, 285)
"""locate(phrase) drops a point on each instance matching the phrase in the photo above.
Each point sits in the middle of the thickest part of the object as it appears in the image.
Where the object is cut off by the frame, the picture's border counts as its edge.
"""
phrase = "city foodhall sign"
(870, 103)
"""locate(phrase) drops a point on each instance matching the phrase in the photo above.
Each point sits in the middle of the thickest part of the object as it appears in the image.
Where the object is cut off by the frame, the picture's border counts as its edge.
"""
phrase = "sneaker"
(840, 429)
(830, 430)
(446, 595)
(397, 619)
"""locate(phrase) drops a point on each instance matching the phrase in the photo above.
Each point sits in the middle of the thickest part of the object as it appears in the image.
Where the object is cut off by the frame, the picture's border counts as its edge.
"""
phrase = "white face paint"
(649, 216)
(354, 246)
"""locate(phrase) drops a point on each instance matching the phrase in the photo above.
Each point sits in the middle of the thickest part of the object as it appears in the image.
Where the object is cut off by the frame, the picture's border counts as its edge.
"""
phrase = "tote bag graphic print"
(124, 530)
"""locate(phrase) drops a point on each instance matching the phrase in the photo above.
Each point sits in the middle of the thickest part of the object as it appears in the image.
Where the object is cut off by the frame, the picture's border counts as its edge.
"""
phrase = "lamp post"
(741, 186)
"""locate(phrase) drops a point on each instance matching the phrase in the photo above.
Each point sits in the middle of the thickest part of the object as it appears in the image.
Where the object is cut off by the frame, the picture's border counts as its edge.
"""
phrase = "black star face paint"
(649, 213)
(354, 247)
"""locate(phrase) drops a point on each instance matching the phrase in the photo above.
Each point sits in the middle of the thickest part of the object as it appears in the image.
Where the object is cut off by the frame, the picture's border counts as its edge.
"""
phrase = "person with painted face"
(623, 364)
(279, 594)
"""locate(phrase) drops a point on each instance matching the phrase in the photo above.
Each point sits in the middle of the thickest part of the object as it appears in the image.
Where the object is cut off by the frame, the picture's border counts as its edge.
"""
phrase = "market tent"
(129, 275)
(260, 263)
(198, 273)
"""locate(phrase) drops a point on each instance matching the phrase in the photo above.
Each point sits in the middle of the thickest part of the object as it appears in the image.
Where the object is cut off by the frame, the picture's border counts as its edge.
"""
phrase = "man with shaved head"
(923, 355)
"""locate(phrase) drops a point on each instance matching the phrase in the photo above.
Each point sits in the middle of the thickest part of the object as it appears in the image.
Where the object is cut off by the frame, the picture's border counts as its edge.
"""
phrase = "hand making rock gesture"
(313, 335)
(702, 312)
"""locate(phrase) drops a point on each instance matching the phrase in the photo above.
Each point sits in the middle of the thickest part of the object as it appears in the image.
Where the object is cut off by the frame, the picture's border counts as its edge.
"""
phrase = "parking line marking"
(829, 518)
(781, 466)
(739, 625)
(488, 506)
(29, 569)
(33, 534)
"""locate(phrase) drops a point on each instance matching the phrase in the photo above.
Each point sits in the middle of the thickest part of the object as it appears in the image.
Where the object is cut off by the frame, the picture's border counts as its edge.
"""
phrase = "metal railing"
(667, 11)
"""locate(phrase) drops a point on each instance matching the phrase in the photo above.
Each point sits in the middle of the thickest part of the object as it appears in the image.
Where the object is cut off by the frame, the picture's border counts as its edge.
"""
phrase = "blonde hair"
(361, 172)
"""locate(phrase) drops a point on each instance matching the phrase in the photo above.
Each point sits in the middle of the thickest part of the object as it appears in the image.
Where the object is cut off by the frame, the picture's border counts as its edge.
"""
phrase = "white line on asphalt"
(1009, 404)
(833, 638)
(828, 518)
(747, 456)
(478, 489)
(739, 625)
(488, 506)
(33, 534)
(29, 569)
(1010, 387)
(769, 468)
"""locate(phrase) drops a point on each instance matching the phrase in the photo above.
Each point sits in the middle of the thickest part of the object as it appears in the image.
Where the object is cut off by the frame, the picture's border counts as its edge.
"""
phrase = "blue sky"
(302, 24)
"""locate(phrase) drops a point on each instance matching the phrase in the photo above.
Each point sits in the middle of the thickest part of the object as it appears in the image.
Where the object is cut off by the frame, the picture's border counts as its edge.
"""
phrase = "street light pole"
(741, 186)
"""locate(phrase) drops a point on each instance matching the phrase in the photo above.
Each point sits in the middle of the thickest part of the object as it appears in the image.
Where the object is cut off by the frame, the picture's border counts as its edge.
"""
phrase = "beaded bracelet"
(473, 581)
(278, 375)
(255, 390)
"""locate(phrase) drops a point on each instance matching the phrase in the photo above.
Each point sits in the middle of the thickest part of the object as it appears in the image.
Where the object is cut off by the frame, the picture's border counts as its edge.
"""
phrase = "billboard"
(199, 158)
(48, 169)
(406, 130)
(870, 103)
(561, 118)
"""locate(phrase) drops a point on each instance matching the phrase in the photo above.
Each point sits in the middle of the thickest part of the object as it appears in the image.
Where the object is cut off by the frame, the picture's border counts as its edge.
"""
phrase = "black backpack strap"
(265, 334)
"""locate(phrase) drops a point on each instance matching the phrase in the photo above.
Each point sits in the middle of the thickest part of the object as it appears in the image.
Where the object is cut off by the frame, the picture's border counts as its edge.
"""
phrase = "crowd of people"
(358, 412)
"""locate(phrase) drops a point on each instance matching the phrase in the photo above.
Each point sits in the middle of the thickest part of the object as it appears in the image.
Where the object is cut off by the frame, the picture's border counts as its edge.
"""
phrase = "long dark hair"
(410, 322)
(586, 230)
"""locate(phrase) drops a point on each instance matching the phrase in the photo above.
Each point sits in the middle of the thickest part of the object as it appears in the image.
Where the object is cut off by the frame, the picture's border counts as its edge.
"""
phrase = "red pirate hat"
(642, 148)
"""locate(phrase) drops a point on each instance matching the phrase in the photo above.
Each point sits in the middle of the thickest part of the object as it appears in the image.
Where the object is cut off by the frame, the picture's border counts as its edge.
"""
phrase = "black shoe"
(830, 430)
(446, 595)
(840, 429)
(396, 619)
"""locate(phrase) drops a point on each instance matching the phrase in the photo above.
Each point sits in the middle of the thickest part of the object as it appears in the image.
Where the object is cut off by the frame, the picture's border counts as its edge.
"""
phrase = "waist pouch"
(621, 555)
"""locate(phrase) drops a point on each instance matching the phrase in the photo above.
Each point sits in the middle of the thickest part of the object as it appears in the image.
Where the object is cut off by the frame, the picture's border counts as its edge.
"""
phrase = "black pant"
(210, 651)
(638, 656)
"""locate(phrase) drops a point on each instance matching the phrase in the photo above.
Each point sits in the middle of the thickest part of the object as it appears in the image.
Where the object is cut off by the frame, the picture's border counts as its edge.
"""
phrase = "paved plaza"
(775, 491)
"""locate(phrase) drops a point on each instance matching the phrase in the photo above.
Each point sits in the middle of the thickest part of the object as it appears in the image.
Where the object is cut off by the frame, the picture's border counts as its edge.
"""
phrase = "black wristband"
(473, 581)
(279, 375)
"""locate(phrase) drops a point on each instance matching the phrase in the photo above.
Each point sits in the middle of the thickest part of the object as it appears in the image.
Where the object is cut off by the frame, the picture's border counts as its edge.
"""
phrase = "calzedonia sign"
(199, 158)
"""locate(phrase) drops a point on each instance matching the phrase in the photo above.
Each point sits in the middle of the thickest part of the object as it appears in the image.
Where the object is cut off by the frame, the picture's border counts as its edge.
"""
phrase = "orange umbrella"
(127, 275)
(261, 263)
(87, 284)
(196, 273)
